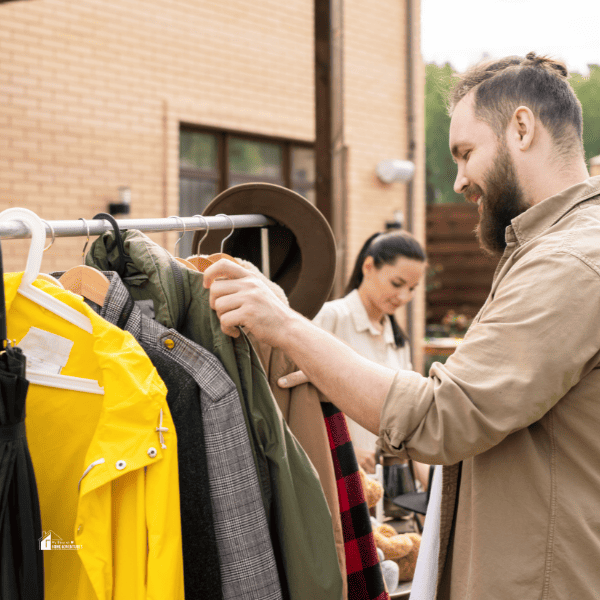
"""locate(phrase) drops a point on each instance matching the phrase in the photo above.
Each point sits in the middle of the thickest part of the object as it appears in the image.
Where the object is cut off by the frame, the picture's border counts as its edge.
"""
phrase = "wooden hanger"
(201, 263)
(86, 281)
(219, 255)
(183, 261)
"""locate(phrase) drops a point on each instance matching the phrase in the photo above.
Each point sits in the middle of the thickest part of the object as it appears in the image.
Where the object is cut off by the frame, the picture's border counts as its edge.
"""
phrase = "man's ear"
(521, 128)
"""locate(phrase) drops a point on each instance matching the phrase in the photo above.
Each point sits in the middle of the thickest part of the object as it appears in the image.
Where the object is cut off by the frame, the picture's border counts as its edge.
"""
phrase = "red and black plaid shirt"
(365, 579)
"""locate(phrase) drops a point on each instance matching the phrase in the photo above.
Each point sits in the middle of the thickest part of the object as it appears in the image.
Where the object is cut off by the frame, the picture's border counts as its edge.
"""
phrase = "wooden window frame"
(221, 175)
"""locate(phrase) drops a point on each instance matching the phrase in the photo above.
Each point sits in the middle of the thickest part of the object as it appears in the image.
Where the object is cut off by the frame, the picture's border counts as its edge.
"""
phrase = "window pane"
(303, 165)
(197, 150)
(259, 159)
(194, 196)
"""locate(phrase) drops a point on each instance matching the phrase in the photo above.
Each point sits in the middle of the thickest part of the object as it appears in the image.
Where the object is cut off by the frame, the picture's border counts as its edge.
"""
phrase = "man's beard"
(502, 202)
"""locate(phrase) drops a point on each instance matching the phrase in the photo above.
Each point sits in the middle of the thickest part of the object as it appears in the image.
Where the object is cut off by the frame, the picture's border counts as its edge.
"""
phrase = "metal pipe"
(264, 252)
(410, 121)
(10, 230)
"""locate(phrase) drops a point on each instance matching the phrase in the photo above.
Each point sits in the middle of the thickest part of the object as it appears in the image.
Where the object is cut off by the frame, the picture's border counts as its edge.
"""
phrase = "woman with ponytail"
(387, 270)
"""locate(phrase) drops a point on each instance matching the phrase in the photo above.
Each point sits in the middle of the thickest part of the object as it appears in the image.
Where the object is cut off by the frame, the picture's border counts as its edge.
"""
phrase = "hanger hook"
(197, 251)
(52, 233)
(120, 269)
(230, 233)
(87, 241)
(183, 233)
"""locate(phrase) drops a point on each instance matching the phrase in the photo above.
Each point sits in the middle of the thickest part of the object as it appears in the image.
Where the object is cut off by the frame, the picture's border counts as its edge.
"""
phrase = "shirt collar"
(361, 320)
(540, 217)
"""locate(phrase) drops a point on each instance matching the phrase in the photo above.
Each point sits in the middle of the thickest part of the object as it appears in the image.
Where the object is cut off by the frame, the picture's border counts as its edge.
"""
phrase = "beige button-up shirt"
(515, 414)
(348, 320)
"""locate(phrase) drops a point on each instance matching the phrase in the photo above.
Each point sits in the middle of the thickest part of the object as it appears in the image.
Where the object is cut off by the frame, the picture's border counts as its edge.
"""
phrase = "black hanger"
(118, 239)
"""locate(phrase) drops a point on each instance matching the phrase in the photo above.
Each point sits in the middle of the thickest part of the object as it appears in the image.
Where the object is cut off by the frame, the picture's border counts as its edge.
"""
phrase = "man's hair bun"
(547, 63)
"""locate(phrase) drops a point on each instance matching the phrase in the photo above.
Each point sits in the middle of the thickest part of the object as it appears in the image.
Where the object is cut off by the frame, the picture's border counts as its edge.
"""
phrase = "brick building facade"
(96, 94)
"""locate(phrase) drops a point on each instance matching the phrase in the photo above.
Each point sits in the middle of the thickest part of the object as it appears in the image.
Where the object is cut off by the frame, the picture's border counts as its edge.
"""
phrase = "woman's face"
(391, 286)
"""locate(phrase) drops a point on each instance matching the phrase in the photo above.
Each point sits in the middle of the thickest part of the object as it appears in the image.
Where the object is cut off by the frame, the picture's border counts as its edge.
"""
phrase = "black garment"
(21, 560)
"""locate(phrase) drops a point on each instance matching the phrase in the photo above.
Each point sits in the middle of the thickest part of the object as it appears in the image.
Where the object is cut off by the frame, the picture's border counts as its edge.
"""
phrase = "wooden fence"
(460, 272)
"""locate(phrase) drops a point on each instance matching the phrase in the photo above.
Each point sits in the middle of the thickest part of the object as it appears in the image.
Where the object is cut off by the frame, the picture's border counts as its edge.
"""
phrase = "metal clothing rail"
(10, 230)
(18, 230)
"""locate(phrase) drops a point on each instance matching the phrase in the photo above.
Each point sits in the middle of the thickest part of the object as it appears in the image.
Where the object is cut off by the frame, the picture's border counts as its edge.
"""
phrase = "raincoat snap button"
(152, 452)
(169, 343)
(121, 464)
(80, 529)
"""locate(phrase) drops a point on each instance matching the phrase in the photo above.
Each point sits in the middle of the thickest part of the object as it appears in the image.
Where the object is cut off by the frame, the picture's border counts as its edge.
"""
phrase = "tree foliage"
(588, 91)
(441, 170)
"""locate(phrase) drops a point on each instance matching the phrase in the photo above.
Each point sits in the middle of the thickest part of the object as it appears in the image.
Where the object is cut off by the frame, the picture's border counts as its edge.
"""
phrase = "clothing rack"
(77, 228)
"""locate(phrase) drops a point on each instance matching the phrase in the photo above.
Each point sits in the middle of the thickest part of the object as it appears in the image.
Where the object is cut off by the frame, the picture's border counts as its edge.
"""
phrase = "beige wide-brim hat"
(302, 248)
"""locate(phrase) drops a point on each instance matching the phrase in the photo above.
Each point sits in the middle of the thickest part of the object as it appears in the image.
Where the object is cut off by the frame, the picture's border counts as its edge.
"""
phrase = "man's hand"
(240, 298)
(357, 386)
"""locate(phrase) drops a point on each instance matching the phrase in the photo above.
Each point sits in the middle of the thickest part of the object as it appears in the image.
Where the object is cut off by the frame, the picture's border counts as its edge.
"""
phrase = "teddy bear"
(399, 548)
(402, 548)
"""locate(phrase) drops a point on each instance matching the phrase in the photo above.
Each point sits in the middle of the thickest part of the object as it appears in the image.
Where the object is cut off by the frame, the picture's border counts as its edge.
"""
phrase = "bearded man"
(514, 413)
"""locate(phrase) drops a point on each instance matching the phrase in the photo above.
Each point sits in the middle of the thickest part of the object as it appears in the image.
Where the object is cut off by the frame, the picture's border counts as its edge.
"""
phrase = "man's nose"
(461, 182)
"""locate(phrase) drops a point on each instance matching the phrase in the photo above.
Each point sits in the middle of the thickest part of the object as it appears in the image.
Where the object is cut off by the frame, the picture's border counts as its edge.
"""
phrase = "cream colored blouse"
(348, 320)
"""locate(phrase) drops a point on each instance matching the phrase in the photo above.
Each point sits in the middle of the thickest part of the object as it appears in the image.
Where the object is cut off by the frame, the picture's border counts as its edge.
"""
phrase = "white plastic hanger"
(34, 262)
(46, 276)
(64, 382)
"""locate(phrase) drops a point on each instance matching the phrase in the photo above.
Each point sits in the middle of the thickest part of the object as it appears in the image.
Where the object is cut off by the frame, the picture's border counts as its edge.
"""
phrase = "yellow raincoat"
(107, 479)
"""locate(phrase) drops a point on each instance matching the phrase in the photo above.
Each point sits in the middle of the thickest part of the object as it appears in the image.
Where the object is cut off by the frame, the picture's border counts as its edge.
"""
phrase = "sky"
(463, 31)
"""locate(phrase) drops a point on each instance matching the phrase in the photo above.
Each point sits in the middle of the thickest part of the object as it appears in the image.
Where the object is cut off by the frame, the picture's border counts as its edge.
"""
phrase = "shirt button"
(169, 343)
(80, 529)
(152, 452)
(121, 464)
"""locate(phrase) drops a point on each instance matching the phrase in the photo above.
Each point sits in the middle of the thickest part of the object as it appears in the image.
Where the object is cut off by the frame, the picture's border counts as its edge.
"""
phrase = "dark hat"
(302, 249)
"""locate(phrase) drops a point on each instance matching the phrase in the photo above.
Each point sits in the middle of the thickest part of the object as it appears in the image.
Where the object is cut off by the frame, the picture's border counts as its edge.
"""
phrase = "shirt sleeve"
(532, 344)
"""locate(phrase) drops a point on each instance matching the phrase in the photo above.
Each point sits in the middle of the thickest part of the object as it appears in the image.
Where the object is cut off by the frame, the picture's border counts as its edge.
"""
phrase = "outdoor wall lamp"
(123, 206)
(395, 170)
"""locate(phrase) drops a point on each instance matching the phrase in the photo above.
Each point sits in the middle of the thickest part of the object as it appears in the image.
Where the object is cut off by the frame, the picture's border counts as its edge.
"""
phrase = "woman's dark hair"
(386, 248)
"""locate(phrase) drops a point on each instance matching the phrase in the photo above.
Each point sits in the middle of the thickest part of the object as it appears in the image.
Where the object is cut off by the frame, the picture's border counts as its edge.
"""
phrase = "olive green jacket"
(297, 512)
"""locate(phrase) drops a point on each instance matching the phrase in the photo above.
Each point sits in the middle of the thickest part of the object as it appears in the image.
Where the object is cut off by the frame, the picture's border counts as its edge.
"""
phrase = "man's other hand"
(292, 380)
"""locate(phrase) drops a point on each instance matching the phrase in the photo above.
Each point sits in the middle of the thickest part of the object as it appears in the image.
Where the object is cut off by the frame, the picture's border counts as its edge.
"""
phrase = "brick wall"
(375, 121)
(93, 91)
